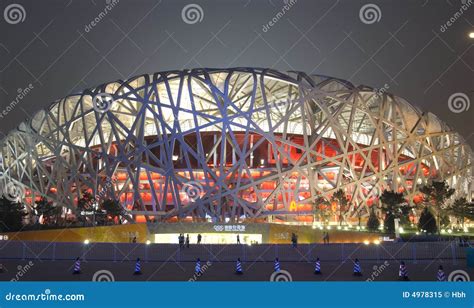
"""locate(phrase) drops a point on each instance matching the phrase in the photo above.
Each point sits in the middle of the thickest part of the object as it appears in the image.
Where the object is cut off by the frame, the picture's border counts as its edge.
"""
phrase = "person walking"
(187, 241)
(199, 238)
(181, 240)
(238, 239)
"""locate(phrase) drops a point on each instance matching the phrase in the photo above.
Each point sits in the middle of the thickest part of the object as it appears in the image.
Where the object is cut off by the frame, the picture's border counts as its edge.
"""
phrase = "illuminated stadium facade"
(231, 144)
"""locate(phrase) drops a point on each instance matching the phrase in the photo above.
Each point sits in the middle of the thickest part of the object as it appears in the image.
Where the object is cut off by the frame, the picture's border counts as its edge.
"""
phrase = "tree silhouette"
(45, 208)
(395, 206)
(11, 215)
(427, 221)
(436, 195)
(321, 208)
(373, 222)
(112, 208)
(461, 209)
(84, 204)
(339, 196)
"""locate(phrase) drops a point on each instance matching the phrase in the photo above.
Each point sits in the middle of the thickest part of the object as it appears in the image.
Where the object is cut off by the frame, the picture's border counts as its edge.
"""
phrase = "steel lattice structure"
(231, 143)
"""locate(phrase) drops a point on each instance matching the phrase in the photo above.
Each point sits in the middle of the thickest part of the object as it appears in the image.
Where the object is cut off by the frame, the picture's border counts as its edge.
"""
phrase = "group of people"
(294, 239)
(184, 241)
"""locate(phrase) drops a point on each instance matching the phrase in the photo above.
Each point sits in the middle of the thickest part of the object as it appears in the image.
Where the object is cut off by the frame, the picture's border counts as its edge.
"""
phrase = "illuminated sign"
(293, 206)
(3, 237)
(229, 228)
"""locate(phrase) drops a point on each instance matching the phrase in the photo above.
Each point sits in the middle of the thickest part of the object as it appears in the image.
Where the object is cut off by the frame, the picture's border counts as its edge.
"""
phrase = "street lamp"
(471, 35)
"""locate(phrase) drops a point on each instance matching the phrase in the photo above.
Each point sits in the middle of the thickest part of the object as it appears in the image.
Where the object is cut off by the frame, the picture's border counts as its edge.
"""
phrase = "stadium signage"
(229, 228)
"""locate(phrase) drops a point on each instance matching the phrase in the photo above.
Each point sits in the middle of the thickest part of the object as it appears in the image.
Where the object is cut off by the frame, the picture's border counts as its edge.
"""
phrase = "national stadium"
(231, 146)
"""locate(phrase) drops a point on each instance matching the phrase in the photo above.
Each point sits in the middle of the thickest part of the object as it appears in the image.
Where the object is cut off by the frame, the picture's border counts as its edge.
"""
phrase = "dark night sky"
(405, 49)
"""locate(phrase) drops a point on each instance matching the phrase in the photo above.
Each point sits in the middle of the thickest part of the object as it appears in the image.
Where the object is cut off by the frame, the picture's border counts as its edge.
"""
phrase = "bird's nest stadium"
(242, 144)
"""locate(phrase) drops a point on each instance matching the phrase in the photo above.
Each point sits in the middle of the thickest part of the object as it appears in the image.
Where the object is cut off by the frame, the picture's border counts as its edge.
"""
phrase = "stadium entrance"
(210, 238)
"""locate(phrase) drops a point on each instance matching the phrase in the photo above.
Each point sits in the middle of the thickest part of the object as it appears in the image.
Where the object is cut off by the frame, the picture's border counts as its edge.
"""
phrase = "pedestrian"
(187, 240)
(327, 237)
(134, 239)
(294, 240)
(238, 239)
(181, 240)
(199, 238)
